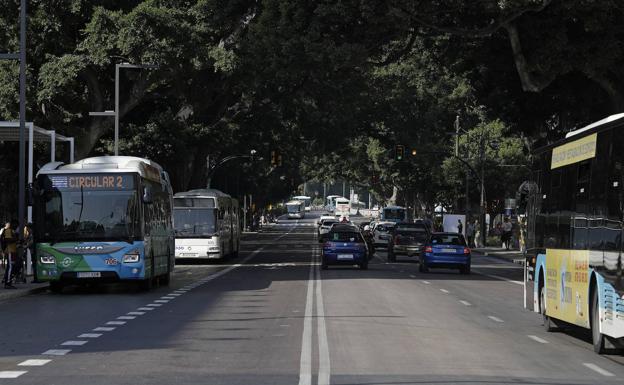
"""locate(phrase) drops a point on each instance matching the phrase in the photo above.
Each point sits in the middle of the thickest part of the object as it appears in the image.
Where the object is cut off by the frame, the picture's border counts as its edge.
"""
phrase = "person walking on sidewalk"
(507, 227)
(477, 237)
(470, 231)
(9, 241)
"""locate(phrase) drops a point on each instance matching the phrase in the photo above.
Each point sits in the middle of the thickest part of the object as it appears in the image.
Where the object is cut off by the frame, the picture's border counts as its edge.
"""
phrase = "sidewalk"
(509, 255)
(22, 288)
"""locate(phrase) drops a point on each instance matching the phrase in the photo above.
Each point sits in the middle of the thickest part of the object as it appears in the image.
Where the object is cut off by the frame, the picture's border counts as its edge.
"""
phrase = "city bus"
(396, 214)
(207, 224)
(103, 219)
(342, 207)
(307, 201)
(573, 206)
(330, 202)
(295, 209)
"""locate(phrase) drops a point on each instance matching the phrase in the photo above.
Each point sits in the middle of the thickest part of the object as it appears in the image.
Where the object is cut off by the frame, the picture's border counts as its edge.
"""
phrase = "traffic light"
(399, 152)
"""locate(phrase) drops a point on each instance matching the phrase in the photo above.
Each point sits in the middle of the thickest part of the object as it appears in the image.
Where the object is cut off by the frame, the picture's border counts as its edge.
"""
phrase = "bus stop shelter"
(9, 132)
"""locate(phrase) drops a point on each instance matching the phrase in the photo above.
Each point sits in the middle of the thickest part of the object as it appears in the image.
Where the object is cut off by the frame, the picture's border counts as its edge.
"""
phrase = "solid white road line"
(103, 329)
(56, 352)
(324, 372)
(444, 291)
(90, 335)
(305, 362)
(536, 338)
(34, 362)
(74, 343)
(12, 373)
(499, 277)
(465, 303)
(598, 369)
(495, 319)
(116, 323)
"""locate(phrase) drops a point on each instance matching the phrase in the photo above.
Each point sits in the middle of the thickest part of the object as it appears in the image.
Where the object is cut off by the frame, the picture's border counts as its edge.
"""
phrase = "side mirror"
(147, 195)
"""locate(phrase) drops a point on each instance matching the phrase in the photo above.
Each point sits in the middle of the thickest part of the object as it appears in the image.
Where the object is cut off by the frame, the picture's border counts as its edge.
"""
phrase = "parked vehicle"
(447, 250)
(407, 239)
(345, 245)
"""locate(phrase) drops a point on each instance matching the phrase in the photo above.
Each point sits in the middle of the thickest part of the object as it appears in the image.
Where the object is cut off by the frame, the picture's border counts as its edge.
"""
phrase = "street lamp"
(115, 113)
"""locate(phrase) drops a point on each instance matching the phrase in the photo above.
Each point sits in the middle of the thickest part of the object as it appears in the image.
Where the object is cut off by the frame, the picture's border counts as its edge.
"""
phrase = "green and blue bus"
(103, 219)
(574, 208)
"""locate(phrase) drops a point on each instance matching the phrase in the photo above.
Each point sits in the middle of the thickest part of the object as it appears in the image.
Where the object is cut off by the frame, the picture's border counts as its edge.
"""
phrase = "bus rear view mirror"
(147, 195)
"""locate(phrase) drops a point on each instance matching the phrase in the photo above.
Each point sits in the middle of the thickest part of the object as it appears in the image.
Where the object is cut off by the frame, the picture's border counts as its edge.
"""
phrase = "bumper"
(406, 250)
(332, 259)
(446, 261)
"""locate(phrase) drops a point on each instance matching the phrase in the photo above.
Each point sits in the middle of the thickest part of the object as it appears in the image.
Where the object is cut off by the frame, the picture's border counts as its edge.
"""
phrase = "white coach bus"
(206, 224)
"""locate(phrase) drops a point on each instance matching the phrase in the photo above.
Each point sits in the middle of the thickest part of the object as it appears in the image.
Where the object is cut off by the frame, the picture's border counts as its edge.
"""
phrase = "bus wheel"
(56, 287)
(598, 338)
(549, 326)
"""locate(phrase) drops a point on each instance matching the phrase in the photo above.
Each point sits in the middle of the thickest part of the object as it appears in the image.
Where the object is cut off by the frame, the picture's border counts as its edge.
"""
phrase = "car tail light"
(466, 250)
(428, 249)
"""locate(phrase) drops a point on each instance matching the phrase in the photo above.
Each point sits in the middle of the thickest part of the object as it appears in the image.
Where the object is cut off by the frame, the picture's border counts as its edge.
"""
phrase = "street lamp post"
(115, 113)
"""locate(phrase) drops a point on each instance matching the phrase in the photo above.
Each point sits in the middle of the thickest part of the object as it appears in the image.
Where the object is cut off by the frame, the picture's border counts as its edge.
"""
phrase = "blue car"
(446, 250)
(344, 245)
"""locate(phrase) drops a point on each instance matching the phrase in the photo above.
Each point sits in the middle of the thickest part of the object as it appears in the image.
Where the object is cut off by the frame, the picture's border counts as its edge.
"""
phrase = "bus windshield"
(90, 215)
(194, 223)
(293, 208)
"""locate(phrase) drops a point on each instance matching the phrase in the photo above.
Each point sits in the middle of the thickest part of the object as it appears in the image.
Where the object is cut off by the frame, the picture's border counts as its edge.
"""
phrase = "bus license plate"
(345, 257)
(89, 274)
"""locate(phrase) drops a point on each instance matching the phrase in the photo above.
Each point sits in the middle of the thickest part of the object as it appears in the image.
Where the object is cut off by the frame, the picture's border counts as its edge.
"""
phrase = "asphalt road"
(272, 317)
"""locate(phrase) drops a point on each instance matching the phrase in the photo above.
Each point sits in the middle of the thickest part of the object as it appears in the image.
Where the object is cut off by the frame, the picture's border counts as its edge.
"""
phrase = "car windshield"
(448, 239)
(343, 236)
(194, 222)
(85, 214)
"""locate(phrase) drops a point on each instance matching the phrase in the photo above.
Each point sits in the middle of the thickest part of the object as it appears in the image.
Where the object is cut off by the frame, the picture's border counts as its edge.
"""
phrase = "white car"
(382, 233)
(324, 217)
(326, 225)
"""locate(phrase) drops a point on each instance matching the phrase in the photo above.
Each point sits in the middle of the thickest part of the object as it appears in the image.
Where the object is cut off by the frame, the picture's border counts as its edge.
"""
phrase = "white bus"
(330, 200)
(295, 209)
(306, 200)
(342, 207)
(206, 224)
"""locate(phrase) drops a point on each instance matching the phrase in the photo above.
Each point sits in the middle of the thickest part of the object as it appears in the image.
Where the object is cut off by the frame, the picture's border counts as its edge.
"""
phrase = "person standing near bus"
(9, 238)
(28, 248)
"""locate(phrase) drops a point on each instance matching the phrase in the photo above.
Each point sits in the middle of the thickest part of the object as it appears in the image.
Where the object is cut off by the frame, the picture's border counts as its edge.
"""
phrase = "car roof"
(386, 223)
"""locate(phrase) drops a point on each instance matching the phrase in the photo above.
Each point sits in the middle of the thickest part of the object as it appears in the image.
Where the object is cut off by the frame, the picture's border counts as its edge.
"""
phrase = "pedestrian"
(506, 234)
(9, 238)
(460, 226)
(470, 230)
(29, 244)
(3, 246)
(477, 237)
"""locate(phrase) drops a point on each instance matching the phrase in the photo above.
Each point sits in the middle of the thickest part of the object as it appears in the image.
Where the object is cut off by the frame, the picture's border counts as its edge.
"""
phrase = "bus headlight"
(47, 259)
(131, 257)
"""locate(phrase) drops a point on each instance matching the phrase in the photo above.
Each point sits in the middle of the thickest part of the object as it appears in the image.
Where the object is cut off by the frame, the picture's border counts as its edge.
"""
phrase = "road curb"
(12, 294)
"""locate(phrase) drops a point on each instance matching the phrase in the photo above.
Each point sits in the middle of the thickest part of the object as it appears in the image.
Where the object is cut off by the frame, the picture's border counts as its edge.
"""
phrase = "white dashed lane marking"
(136, 313)
(126, 317)
(161, 301)
(598, 369)
(34, 362)
(104, 329)
(145, 308)
(537, 339)
(56, 352)
(12, 373)
(74, 343)
(90, 335)
(116, 323)
(444, 291)
(155, 304)
(465, 303)
(426, 282)
(495, 319)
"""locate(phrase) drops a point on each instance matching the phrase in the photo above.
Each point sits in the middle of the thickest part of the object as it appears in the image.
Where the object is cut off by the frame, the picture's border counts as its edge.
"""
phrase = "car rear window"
(328, 222)
(384, 227)
(448, 239)
(416, 235)
(346, 237)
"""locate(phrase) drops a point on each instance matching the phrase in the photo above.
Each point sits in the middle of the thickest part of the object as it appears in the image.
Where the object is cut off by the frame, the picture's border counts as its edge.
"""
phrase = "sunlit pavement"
(271, 316)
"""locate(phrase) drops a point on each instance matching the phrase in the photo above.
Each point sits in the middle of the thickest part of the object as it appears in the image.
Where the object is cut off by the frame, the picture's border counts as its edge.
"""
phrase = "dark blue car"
(446, 250)
(344, 245)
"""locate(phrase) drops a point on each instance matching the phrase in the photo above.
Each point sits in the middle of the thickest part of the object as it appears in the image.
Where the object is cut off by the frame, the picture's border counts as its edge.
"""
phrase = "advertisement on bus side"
(567, 285)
